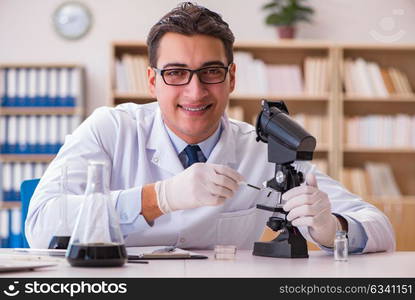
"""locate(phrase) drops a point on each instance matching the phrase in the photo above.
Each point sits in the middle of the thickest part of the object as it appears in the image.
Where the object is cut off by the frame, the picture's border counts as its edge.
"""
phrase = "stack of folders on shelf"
(35, 134)
(13, 173)
(364, 78)
(255, 77)
(380, 131)
(382, 180)
(41, 86)
(356, 180)
(10, 228)
(316, 75)
(375, 179)
(131, 74)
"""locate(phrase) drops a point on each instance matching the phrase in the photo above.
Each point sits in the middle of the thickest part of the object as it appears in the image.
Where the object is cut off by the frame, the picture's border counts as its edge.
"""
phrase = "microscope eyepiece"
(287, 140)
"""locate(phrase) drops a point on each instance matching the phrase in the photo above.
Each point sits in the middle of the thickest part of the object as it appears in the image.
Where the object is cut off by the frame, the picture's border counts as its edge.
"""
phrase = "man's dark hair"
(189, 19)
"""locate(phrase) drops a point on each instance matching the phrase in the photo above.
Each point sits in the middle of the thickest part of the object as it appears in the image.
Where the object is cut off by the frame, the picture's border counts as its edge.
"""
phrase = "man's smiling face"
(191, 111)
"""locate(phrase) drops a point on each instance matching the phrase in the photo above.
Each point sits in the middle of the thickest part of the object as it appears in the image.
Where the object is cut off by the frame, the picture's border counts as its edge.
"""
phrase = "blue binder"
(4, 97)
(15, 236)
(4, 228)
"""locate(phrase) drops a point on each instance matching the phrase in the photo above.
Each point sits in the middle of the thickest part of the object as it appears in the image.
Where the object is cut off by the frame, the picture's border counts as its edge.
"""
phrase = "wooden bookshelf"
(46, 158)
(393, 200)
(400, 158)
(9, 204)
(41, 111)
(392, 98)
(286, 98)
(119, 98)
(335, 105)
(392, 150)
(40, 65)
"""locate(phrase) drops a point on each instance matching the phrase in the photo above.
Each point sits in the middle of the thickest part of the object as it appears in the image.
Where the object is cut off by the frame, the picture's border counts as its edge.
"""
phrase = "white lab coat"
(133, 140)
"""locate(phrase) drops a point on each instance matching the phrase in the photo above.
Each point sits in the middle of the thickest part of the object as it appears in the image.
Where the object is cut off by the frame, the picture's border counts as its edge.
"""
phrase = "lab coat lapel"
(225, 150)
(165, 156)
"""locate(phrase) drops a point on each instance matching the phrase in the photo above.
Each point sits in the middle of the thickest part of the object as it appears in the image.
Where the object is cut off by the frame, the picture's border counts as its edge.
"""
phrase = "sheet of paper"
(12, 266)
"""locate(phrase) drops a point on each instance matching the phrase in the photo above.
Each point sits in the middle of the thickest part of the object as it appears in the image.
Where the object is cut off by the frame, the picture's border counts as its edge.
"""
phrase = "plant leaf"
(270, 5)
(288, 12)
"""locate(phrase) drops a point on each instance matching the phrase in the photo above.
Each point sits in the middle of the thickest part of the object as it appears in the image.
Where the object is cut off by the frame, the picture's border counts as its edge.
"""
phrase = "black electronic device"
(287, 142)
(59, 242)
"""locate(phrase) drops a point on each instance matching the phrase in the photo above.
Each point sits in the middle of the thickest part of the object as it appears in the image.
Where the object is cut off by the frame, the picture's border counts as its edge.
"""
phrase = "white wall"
(26, 33)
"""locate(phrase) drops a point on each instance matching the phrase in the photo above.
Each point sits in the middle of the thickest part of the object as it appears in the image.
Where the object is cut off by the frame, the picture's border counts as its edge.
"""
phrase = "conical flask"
(60, 239)
(96, 240)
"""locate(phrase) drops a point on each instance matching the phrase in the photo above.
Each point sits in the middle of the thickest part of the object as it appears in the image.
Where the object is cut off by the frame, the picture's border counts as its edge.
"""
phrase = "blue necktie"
(191, 152)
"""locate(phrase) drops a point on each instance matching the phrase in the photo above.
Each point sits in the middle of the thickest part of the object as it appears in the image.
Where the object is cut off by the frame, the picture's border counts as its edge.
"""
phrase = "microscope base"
(280, 247)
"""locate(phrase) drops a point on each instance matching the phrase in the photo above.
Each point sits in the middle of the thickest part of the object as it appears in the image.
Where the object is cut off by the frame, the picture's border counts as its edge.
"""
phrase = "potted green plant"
(285, 14)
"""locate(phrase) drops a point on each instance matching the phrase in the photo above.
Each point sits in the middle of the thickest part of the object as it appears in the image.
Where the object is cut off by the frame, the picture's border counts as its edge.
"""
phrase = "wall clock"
(72, 20)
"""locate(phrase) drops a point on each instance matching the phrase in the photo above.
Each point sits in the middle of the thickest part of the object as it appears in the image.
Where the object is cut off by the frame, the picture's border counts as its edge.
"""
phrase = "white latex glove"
(308, 206)
(199, 185)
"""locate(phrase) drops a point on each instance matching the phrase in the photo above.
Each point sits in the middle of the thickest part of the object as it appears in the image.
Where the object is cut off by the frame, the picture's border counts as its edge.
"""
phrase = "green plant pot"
(286, 32)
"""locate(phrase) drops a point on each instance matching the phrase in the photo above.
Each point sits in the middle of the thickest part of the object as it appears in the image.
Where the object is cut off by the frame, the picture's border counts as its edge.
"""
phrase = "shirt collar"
(206, 146)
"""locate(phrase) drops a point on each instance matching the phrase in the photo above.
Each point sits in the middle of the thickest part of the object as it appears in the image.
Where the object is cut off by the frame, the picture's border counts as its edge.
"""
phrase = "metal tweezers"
(138, 258)
(165, 249)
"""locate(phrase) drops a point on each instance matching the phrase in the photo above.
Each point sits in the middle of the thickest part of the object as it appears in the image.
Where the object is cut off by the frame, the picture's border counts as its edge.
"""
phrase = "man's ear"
(151, 80)
(232, 74)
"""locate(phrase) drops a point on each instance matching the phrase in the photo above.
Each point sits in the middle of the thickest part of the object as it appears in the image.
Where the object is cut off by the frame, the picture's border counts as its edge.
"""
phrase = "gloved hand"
(308, 206)
(199, 185)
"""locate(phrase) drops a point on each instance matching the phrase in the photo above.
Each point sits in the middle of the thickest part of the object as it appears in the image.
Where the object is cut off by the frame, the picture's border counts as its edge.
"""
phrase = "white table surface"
(319, 264)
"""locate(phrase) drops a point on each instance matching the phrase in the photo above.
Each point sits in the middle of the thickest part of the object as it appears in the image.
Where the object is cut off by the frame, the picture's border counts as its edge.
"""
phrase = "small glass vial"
(225, 252)
(340, 246)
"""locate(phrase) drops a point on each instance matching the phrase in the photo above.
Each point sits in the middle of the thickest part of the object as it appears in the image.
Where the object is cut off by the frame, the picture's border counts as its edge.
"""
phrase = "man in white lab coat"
(176, 164)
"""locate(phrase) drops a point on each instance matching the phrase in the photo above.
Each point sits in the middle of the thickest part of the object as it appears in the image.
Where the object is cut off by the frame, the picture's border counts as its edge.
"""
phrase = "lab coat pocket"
(240, 228)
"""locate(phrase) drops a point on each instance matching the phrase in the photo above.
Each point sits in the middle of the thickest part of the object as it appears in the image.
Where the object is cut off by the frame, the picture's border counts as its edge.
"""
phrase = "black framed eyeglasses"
(181, 76)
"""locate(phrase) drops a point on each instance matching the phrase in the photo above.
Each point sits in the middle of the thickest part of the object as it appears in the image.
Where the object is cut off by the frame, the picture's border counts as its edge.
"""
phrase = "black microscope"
(287, 142)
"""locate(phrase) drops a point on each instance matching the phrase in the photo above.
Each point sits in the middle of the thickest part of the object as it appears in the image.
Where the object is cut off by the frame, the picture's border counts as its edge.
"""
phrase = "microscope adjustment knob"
(280, 177)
